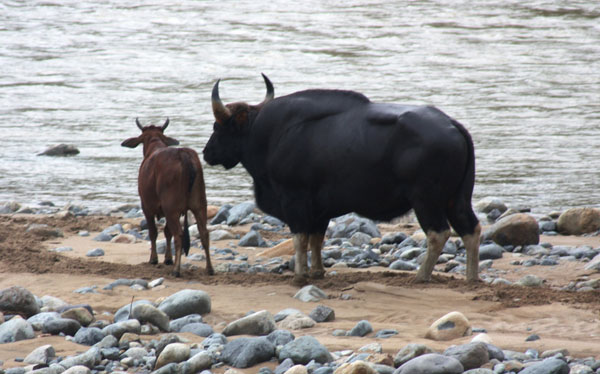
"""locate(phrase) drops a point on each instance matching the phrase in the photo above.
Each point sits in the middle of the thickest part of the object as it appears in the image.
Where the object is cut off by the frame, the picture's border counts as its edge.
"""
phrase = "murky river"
(523, 76)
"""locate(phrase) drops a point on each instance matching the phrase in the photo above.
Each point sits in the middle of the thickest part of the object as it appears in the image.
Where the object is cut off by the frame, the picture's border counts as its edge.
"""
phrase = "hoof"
(317, 274)
(420, 280)
(210, 271)
(153, 261)
(300, 280)
(169, 262)
(176, 274)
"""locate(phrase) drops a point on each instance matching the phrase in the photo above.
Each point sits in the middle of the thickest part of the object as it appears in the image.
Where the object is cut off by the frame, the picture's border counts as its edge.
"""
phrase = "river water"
(523, 76)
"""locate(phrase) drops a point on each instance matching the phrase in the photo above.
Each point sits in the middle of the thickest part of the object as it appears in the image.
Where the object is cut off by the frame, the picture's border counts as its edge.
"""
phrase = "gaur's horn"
(165, 125)
(221, 112)
(139, 125)
(270, 90)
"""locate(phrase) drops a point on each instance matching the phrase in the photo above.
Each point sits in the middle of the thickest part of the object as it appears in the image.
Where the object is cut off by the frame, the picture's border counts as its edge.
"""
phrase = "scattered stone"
(487, 204)
(431, 363)
(41, 355)
(516, 229)
(451, 326)
(198, 328)
(174, 352)
(39, 319)
(305, 349)
(471, 355)
(65, 326)
(96, 252)
(322, 313)
(280, 337)
(222, 235)
(490, 252)
(120, 328)
(177, 324)
(186, 302)
(124, 239)
(79, 314)
(252, 239)
(386, 333)
(198, 362)
(239, 212)
(88, 336)
(362, 328)
(123, 313)
(310, 293)
(146, 313)
(89, 359)
(530, 280)
(578, 221)
(259, 323)
(61, 249)
(60, 150)
(409, 352)
(297, 321)
(18, 300)
(548, 366)
(356, 367)
(246, 352)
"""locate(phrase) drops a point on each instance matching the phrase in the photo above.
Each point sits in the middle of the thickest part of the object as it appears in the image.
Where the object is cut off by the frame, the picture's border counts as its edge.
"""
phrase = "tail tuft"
(185, 240)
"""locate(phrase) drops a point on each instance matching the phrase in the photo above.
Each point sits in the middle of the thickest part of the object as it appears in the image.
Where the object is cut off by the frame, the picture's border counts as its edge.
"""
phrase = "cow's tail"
(185, 240)
(461, 215)
(190, 171)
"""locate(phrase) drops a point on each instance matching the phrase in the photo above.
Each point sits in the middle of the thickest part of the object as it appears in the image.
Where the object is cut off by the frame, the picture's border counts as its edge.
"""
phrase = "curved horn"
(221, 112)
(165, 125)
(270, 90)
(139, 125)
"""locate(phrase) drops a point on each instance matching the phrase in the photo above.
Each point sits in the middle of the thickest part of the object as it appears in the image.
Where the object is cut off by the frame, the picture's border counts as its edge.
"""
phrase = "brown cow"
(170, 183)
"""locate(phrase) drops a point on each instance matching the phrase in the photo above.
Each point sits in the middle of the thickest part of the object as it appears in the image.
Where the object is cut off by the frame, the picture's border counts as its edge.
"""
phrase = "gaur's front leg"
(301, 265)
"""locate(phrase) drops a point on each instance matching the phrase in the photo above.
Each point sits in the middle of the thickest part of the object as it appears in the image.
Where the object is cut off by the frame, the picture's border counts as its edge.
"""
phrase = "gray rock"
(156, 282)
(37, 321)
(471, 355)
(530, 280)
(78, 369)
(280, 337)
(44, 230)
(578, 221)
(393, 238)
(88, 336)
(96, 252)
(18, 300)
(215, 339)
(222, 235)
(136, 353)
(89, 359)
(431, 363)
(186, 302)
(84, 290)
(409, 352)
(146, 313)
(283, 367)
(173, 353)
(246, 352)
(548, 366)
(252, 239)
(361, 329)
(310, 293)
(198, 362)
(305, 349)
(281, 315)
(221, 215)
(109, 341)
(120, 328)
(490, 252)
(177, 324)
(61, 249)
(61, 325)
(123, 313)
(198, 328)
(322, 313)
(41, 355)
(359, 239)
(479, 371)
(60, 150)
(386, 333)
(259, 323)
(239, 212)
(403, 265)
(487, 204)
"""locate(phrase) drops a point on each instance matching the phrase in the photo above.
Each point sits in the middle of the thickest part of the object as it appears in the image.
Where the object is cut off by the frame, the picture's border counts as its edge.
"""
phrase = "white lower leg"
(315, 244)
(435, 245)
(472, 246)
(301, 265)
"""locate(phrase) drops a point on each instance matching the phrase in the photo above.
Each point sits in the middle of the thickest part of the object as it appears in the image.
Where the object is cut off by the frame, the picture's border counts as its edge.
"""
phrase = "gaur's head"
(151, 136)
(232, 125)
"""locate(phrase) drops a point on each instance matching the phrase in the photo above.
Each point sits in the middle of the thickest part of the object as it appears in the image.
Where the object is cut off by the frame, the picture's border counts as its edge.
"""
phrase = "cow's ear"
(171, 141)
(131, 142)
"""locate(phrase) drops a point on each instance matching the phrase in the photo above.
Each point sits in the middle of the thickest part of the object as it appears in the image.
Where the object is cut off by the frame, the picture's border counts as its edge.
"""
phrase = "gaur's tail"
(468, 180)
(185, 240)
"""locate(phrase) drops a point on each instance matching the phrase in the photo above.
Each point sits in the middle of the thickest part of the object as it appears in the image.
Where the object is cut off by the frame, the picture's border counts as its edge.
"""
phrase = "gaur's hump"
(350, 97)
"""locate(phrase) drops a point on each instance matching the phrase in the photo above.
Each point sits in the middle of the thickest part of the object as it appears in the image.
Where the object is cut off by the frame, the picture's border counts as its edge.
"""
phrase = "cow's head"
(232, 126)
(152, 137)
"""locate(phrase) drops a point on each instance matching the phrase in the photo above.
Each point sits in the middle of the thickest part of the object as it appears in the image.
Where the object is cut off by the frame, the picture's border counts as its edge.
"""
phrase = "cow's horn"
(220, 111)
(165, 125)
(270, 90)
(139, 125)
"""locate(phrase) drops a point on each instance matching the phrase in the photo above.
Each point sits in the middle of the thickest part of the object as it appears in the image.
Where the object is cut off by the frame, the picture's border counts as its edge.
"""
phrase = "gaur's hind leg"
(204, 238)
(465, 223)
(168, 250)
(435, 245)
(153, 234)
(315, 244)
(301, 259)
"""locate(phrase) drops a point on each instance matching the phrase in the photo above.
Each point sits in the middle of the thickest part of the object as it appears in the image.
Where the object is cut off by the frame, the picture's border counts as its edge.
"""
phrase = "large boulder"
(516, 229)
(18, 300)
(186, 302)
(451, 326)
(578, 221)
(259, 323)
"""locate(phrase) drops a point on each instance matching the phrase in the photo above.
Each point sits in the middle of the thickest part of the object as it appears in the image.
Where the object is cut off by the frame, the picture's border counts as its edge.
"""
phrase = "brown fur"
(166, 189)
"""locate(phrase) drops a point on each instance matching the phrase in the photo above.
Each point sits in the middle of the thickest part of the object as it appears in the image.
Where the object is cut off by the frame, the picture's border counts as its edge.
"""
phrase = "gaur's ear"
(131, 142)
(171, 141)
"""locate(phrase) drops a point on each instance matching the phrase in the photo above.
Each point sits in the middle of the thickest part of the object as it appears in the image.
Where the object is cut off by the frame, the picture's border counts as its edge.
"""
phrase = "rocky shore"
(153, 334)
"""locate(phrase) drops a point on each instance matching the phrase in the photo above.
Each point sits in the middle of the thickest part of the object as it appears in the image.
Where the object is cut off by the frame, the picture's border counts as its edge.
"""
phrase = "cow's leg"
(153, 234)
(315, 244)
(435, 245)
(465, 223)
(168, 251)
(471, 242)
(204, 238)
(301, 265)
(175, 228)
